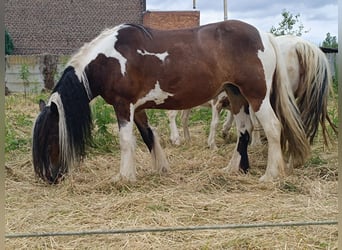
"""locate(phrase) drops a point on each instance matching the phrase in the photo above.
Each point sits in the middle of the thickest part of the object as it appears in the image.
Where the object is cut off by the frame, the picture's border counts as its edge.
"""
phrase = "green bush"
(8, 44)
(103, 116)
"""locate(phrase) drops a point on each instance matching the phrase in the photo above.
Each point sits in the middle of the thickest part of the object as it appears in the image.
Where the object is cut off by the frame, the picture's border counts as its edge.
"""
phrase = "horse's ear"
(53, 108)
(42, 105)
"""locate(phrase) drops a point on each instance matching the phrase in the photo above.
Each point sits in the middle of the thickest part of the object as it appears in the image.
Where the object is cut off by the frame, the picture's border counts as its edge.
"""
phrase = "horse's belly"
(187, 100)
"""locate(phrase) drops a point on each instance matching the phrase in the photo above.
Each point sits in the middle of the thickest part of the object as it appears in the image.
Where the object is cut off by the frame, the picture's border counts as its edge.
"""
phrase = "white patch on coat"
(156, 95)
(243, 122)
(266, 61)
(160, 56)
(103, 44)
(267, 118)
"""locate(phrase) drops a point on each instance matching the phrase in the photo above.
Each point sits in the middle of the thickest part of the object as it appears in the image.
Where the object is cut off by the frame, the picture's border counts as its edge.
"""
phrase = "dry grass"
(195, 192)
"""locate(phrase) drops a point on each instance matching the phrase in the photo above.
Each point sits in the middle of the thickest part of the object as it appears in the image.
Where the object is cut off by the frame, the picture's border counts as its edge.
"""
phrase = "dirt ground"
(195, 193)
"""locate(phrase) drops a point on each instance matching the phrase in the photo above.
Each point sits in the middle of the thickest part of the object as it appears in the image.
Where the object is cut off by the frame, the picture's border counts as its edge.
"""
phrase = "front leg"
(151, 140)
(127, 143)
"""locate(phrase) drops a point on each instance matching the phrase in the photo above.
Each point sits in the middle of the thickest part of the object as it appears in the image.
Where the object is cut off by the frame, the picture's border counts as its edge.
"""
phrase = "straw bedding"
(195, 192)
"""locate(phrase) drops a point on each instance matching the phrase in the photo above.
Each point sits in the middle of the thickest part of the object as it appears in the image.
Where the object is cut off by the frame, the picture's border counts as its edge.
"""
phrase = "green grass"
(18, 123)
(16, 138)
(14, 141)
(316, 161)
(103, 117)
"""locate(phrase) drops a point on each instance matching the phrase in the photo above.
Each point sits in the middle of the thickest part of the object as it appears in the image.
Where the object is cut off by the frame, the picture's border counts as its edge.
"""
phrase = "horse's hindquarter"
(227, 52)
(287, 44)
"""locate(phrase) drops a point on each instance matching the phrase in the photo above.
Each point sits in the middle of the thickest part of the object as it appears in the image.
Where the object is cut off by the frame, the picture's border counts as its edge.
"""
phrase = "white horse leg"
(215, 110)
(160, 163)
(185, 124)
(239, 158)
(174, 136)
(272, 127)
(127, 147)
(228, 122)
(256, 137)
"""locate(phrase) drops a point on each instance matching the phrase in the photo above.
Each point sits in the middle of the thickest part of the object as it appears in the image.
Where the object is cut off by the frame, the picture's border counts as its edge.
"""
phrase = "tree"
(290, 25)
(330, 41)
(8, 44)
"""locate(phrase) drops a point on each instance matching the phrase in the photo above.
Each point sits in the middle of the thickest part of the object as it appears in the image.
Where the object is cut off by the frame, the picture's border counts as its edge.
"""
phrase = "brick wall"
(171, 19)
(62, 26)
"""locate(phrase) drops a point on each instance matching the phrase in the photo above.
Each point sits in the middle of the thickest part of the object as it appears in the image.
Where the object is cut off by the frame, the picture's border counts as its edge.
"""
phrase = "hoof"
(267, 178)
(230, 170)
(165, 169)
(232, 167)
(213, 147)
(120, 178)
(176, 142)
(224, 135)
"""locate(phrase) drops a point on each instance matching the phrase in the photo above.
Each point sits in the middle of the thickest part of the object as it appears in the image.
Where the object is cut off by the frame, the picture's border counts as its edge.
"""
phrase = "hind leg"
(256, 137)
(185, 124)
(239, 160)
(216, 108)
(227, 124)
(151, 140)
(272, 127)
(174, 136)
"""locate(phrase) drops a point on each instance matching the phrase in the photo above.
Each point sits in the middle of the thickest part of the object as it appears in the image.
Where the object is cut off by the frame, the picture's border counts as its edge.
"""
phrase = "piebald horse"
(134, 68)
(310, 81)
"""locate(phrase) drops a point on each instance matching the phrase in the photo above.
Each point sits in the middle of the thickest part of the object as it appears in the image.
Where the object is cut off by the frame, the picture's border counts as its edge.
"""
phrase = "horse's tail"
(316, 83)
(293, 137)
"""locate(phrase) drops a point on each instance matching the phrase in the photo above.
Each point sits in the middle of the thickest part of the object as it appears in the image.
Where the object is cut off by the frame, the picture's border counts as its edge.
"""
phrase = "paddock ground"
(195, 193)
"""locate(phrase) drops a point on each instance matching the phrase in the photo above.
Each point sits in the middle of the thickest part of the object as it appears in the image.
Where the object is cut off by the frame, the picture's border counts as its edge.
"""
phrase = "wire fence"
(172, 229)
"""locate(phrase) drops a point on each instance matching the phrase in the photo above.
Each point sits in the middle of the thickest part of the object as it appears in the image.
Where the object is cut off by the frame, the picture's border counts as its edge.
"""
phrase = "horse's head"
(46, 149)
(62, 128)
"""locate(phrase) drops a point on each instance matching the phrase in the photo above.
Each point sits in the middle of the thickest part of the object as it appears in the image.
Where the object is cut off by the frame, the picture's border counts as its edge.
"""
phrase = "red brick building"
(171, 19)
(62, 26)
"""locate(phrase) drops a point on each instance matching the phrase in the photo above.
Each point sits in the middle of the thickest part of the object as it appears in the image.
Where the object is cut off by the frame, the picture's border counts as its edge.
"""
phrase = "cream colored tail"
(293, 136)
(313, 102)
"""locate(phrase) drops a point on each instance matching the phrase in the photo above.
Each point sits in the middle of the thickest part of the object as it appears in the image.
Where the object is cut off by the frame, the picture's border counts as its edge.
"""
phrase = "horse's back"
(230, 37)
(202, 58)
